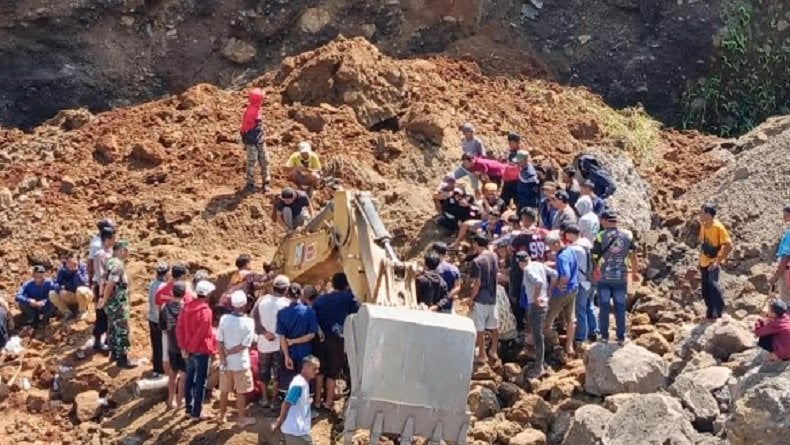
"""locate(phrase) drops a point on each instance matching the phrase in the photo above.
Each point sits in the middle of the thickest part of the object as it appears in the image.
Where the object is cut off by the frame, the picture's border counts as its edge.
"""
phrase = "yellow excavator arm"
(410, 369)
(348, 235)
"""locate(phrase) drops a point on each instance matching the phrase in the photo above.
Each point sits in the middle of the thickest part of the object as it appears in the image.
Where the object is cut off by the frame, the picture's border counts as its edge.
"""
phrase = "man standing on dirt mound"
(715, 245)
(253, 139)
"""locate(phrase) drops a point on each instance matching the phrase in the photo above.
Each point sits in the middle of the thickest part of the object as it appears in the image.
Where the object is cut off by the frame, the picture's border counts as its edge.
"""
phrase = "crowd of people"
(549, 243)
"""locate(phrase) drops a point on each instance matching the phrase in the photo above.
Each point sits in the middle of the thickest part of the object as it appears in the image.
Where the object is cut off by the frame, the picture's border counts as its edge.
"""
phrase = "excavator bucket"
(410, 373)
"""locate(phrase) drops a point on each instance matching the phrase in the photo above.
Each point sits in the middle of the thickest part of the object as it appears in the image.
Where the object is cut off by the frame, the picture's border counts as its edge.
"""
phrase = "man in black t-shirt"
(292, 208)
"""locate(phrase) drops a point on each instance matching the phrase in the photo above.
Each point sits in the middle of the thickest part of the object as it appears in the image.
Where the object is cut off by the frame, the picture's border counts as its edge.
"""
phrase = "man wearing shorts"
(331, 310)
(485, 268)
(563, 292)
(235, 334)
(177, 372)
(270, 359)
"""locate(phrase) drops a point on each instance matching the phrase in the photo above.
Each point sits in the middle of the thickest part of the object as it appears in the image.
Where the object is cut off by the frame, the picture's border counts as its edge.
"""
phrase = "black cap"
(562, 195)
(522, 256)
(439, 247)
(787, 208)
(287, 193)
(162, 268)
(295, 289)
(481, 239)
(179, 289)
(573, 229)
(778, 307)
(513, 137)
(38, 268)
(609, 215)
(709, 208)
(466, 157)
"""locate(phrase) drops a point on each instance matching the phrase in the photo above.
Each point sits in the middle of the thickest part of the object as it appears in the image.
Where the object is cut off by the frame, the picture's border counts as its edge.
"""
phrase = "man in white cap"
(197, 344)
(235, 334)
(304, 167)
(270, 359)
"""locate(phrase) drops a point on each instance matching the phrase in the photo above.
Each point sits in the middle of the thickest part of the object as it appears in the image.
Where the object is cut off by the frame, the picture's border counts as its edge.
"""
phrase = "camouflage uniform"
(256, 153)
(117, 308)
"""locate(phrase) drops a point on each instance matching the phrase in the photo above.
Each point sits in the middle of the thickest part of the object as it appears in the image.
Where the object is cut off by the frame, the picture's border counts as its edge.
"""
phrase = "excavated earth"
(170, 172)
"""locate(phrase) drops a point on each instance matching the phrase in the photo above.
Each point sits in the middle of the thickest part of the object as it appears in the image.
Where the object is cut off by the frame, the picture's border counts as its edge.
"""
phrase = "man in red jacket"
(252, 136)
(774, 331)
(197, 343)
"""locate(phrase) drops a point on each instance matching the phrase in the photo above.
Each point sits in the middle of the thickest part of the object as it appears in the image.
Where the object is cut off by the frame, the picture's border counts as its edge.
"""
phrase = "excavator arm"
(410, 368)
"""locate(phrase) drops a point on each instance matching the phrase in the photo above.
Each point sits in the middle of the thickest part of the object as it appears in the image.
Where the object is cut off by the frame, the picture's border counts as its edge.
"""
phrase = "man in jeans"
(586, 323)
(485, 268)
(612, 250)
(197, 343)
(270, 359)
(563, 291)
(535, 284)
(715, 245)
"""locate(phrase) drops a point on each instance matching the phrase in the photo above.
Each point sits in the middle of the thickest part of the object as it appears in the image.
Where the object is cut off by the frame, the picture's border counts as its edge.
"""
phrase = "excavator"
(409, 368)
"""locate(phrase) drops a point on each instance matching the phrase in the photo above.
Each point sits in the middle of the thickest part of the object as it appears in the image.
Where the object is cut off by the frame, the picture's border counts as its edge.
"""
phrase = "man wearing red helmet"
(253, 139)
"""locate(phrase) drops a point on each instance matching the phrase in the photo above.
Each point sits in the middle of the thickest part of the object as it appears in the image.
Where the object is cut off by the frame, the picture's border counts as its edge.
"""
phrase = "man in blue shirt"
(782, 274)
(297, 325)
(449, 271)
(563, 291)
(33, 298)
(331, 310)
(73, 289)
(545, 207)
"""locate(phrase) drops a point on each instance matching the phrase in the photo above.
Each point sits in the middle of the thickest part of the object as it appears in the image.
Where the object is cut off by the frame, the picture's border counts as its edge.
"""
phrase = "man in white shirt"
(235, 334)
(270, 359)
(295, 418)
(537, 277)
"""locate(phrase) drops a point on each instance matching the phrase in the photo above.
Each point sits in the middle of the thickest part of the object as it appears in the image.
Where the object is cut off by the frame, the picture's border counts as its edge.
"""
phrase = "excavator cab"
(410, 368)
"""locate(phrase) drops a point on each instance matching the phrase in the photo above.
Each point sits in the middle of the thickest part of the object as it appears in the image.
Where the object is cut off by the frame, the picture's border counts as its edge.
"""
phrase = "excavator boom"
(410, 368)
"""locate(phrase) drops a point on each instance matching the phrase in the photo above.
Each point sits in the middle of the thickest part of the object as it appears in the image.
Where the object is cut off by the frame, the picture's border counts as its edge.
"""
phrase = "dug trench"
(170, 172)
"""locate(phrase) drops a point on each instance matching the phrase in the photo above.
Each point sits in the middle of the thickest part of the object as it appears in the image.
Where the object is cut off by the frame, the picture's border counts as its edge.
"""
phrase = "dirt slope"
(170, 172)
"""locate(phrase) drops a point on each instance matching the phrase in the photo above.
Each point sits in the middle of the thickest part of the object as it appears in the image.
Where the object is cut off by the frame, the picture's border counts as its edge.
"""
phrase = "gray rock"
(239, 51)
(700, 360)
(588, 425)
(698, 400)
(650, 419)
(742, 362)
(559, 427)
(761, 401)
(721, 339)
(314, 20)
(612, 369)
(615, 401)
(483, 402)
(87, 406)
(712, 378)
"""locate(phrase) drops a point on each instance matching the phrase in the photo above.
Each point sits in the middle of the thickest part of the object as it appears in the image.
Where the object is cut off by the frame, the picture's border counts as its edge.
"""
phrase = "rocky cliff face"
(107, 53)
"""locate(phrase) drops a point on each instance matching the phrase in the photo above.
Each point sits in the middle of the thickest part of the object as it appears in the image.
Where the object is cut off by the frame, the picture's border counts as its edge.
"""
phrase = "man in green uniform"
(115, 301)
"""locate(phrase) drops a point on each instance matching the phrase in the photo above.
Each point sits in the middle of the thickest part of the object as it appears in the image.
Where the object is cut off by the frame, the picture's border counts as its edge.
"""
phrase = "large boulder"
(650, 419)
(698, 400)
(761, 403)
(483, 402)
(612, 369)
(588, 425)
(720, 339)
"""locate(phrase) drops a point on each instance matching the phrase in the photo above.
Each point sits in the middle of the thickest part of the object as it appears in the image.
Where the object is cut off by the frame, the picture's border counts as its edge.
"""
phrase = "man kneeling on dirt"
(292, 209)
(304, 167)
(33, 298)
(72, 281)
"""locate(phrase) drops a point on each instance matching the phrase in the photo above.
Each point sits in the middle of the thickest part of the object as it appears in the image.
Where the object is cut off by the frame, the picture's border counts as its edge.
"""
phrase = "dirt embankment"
(170, 172)
(103, 54)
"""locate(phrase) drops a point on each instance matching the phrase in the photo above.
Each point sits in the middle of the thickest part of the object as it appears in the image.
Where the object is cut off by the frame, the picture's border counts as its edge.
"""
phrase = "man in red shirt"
(165, 292)
(489, 170)
(774, 331)
(197, 344)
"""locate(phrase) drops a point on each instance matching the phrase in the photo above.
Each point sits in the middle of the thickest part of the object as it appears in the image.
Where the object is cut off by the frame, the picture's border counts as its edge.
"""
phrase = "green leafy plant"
(748, 82)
